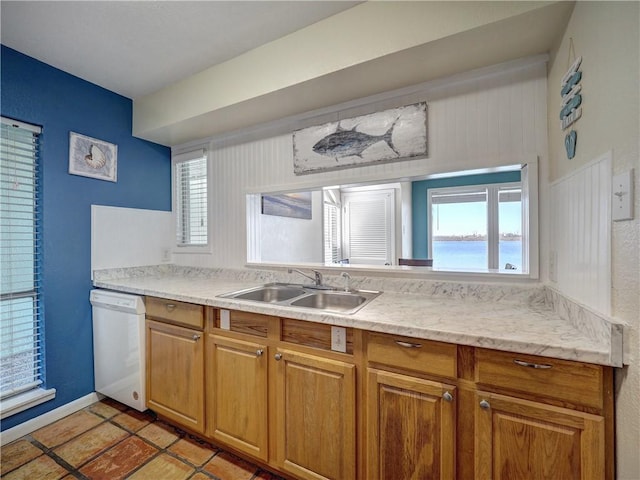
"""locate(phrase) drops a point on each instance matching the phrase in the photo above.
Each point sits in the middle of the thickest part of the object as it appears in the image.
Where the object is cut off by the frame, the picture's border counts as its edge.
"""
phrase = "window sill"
(23, 401)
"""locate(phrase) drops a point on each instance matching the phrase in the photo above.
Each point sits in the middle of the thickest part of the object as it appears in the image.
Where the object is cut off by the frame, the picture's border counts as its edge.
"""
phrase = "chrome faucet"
(347, 279)
(317, 280)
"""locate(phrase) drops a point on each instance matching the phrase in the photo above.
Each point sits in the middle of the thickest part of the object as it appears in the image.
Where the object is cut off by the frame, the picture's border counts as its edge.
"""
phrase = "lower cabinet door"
(521, 439)
(315, 412)
(175, 374)
(237, 394)
(411, 428)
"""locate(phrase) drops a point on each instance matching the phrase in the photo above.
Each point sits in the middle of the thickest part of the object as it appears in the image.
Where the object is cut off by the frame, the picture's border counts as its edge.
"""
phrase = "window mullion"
(493, 227)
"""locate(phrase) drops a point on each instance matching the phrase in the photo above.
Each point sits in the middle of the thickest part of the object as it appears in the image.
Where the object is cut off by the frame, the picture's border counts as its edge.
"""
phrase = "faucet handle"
(318, 278)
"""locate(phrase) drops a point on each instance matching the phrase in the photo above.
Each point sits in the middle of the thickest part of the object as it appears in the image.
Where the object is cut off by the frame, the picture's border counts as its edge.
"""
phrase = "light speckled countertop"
(522, 322)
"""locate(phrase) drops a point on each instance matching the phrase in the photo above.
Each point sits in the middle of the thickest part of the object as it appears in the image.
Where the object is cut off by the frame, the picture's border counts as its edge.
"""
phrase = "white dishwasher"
(119, 347)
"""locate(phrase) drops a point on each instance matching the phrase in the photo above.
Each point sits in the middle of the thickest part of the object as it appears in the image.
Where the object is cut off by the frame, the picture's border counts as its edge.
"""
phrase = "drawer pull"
(541, 366)
(408, 345)
(259, 352)
(447, 397)
(170, 307)
(484, 405)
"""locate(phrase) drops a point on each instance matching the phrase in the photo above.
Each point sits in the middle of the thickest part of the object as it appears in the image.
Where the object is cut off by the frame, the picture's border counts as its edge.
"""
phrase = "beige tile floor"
(109, 441)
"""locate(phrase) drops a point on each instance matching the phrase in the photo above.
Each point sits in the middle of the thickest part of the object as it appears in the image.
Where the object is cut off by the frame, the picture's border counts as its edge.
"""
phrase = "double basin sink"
(319, 298)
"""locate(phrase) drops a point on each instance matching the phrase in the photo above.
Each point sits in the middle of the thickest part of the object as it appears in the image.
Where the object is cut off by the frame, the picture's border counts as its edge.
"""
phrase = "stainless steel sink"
(333, 301)
(293, 295)
(272, 293)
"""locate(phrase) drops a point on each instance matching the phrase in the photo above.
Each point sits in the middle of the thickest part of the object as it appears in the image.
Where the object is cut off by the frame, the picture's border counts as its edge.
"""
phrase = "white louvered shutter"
(369, 227)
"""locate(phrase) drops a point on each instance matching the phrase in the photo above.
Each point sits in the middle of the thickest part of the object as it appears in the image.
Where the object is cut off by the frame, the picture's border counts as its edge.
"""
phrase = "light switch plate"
(622, 201)
(225, 320)
(338, 339)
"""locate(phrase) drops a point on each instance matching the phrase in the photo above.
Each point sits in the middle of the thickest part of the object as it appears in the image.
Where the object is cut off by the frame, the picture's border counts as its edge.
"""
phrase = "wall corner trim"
(45, 419)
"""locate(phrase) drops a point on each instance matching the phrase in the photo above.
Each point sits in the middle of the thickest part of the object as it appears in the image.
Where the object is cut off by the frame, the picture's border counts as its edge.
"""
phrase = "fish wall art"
(387, 136)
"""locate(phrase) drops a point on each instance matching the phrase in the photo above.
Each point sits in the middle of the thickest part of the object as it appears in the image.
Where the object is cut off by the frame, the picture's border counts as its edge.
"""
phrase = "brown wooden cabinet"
(411, 425)
(522, 439)
(389, 408)
(542, 418)
(411, 411)
(315, 416)
(237, 394)
(175, 373)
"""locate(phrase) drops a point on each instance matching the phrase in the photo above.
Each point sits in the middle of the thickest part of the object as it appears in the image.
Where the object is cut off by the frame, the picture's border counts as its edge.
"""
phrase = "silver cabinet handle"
(447, 397)
(170, 307)
(408, 345)
(278, 356)
(195, 337)
(541, 366)
(484, 405)
(259, 352)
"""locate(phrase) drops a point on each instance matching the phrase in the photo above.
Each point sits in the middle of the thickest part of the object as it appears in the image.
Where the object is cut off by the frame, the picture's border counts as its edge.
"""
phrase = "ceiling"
(185, 63)
(136, 48)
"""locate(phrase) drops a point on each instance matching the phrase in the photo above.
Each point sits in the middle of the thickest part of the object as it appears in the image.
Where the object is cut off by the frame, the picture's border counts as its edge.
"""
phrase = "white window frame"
(176, 159)
(492, 198)
(26, 395)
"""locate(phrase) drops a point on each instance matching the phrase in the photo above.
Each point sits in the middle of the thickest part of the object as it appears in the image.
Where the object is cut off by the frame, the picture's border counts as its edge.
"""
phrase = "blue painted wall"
(419, 192)
(34, 92)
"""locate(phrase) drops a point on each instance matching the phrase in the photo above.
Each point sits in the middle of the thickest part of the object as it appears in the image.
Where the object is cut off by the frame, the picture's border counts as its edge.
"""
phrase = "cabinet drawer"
(172, 311)
(575, 382)
(316, 335)
(254, 324)
(424, 356)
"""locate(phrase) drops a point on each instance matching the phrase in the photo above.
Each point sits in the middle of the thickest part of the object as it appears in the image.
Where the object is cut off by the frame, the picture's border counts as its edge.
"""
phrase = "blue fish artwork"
(385, 136)
(347, 143)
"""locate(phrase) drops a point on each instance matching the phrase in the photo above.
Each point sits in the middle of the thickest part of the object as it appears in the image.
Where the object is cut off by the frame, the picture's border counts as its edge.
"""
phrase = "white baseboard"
(45, 419)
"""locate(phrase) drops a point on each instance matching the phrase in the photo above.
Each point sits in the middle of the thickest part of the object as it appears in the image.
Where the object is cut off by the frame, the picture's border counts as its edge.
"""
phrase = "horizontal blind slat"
(20, 308)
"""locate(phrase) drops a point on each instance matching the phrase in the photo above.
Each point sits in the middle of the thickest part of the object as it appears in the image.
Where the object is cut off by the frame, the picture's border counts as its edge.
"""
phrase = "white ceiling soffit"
(261, 86)
(137, 47)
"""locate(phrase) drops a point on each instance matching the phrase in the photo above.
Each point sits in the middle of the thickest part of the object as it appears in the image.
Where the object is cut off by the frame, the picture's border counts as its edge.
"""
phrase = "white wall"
(284, 239)
(492, 117)
(129, 237)
(606, 35)
(580, 247)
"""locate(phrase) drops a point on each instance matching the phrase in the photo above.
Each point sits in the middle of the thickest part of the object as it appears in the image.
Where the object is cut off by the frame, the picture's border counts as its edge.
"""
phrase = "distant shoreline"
(475, 238)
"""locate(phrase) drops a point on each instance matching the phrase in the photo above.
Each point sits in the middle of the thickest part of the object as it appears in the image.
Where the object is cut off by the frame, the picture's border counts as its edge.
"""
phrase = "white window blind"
(21, 313)
(190, 178)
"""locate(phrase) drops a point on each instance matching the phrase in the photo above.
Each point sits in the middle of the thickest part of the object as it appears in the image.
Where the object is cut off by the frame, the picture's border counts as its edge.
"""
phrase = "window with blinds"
(21, 363)
(190, 180)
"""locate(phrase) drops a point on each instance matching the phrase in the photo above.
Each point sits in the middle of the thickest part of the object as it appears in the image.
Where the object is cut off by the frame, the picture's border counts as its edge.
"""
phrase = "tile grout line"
(151, 419)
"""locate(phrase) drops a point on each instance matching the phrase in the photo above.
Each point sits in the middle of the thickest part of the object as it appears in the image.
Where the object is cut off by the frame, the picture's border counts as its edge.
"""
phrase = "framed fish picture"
(386, 136)
(90, 157)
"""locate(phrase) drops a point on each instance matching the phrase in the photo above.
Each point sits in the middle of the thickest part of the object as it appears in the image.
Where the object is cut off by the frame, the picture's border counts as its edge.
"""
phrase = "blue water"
(473, 255)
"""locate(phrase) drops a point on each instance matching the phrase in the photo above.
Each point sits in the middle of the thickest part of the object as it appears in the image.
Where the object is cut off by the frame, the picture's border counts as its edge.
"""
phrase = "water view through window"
(472, 254)
(461, 232)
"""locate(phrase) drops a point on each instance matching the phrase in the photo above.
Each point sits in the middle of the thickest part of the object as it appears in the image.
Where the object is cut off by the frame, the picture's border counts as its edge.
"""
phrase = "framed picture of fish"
(294, 205)
(90, 157)
(386, 136)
